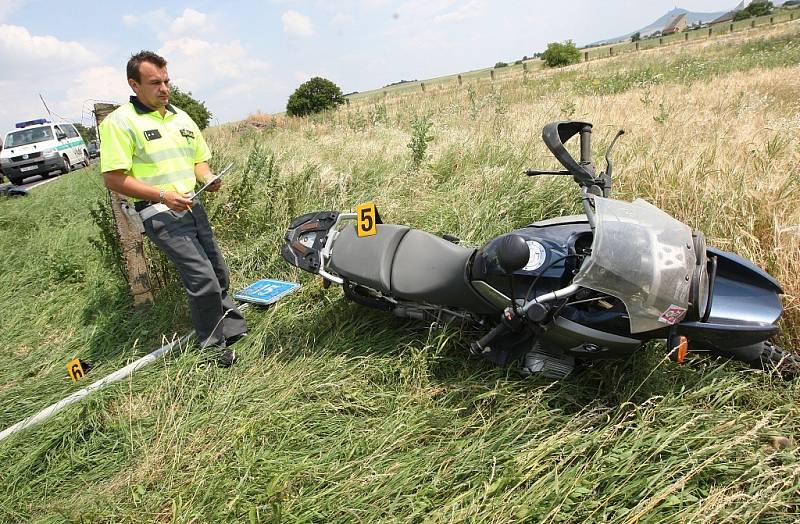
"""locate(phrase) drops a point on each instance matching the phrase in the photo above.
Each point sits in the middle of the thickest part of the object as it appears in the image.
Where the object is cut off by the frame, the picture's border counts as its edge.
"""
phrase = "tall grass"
(340, 414)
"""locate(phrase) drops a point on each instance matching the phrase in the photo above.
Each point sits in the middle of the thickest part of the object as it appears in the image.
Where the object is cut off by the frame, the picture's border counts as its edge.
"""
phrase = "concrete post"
(611, 51)
(731, 28)
(347, 101)
(771, 20)
(686, 36)
(130, 240)
(753, 23)
(636, 44)
(491, 74)
(709, 31)
(660, 41)
(460, 81)
(586, 56)
(422, 85)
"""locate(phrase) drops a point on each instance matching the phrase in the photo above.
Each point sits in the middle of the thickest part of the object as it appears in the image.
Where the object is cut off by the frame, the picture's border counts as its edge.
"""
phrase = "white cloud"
(472, 9)
(9, 6)
(100, 83)
(155, 20)
(296, 24)
(423, 8)
(189, 21)
(429, 39)
(66, 73)
(19, 47)
(341, 20)
(224, 75)
(195, 63)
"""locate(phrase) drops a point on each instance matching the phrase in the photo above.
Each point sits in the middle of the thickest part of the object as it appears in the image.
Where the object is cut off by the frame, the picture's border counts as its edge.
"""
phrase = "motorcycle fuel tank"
(554, 251)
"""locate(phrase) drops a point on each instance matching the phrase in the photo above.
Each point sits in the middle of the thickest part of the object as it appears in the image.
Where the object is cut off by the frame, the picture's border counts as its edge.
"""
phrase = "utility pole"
(131, 241)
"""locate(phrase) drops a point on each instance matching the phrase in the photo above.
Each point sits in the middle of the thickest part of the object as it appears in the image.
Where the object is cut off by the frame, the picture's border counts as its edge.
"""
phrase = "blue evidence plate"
(266, 291)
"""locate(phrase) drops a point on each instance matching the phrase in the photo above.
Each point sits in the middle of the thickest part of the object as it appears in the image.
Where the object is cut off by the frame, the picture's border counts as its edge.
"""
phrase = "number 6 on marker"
(366, 223)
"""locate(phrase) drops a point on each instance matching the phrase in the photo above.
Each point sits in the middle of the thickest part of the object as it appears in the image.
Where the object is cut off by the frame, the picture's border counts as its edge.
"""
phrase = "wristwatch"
(161, 196)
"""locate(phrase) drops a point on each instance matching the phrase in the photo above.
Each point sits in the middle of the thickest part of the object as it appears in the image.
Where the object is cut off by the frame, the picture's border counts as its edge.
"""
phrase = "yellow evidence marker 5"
(366, 219)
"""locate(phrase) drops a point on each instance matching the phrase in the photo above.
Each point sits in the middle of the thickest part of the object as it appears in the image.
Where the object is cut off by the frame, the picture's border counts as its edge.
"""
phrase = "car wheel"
(15, 181)
(65, 166)
(85, 158)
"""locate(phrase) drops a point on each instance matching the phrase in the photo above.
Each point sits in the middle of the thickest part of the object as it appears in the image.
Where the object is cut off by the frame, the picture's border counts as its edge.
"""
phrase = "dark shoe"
(226, 358)
(235, 338)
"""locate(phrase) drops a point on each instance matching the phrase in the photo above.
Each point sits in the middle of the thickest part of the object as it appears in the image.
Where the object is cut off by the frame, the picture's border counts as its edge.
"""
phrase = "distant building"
(728, 17)
(676, 24)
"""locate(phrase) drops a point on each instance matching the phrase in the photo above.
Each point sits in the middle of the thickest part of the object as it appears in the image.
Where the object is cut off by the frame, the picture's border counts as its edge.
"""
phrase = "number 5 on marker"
(366, 215)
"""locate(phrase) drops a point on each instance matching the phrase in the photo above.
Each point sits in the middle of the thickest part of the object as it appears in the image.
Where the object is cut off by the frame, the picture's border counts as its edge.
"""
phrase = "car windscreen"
(24, 137)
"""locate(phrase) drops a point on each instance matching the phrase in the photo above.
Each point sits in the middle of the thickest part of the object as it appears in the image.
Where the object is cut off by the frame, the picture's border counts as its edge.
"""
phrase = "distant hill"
(658, 25)
(692, 18)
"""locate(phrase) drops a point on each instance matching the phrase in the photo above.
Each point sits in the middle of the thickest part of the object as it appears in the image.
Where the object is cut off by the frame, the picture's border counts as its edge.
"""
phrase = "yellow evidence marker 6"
(366, 218)
(75, 370)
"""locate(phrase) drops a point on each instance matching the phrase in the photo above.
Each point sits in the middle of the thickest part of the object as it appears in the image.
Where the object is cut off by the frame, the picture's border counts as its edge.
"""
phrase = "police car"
(41, 147)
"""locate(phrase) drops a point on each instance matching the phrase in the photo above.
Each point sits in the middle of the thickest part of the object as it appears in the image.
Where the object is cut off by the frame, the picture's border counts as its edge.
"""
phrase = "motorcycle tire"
(777, 360)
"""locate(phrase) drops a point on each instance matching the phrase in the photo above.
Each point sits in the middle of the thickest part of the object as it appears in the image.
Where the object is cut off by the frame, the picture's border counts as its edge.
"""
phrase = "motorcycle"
(565, 291)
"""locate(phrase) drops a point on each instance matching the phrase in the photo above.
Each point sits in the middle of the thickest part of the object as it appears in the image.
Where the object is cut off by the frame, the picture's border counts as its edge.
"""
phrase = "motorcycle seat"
(429, 269)
(367, 260)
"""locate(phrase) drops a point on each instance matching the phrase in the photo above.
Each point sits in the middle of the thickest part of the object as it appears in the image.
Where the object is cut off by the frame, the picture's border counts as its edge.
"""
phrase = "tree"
(635, 37)
(87, 133)
(194, 108)
(314, 96)
(558, 54)
(755, 9)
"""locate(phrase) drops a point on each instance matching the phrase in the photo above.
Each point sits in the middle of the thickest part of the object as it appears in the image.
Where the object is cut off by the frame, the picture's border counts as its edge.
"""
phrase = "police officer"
(154, 153)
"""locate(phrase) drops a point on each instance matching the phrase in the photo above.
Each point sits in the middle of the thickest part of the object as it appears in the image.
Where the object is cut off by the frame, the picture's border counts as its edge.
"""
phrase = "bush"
(754, 9)
(558, 54)
(194, 108)
(500, 64)
(314, 96)
(635, 37)
(420, 136)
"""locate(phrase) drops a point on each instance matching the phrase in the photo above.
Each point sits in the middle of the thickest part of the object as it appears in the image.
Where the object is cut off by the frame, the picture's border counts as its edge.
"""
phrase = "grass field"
(339, 414)
(532, 66)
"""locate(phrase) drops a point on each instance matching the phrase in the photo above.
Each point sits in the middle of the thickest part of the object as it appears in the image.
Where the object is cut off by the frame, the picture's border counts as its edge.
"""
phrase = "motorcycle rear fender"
(305, 239)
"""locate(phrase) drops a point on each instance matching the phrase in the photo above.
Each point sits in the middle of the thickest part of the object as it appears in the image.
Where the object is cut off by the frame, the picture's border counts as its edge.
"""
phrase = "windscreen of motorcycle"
(642, 256)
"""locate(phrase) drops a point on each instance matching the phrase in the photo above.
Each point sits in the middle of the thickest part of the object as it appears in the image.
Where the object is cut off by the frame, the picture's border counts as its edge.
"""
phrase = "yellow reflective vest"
(158, 151)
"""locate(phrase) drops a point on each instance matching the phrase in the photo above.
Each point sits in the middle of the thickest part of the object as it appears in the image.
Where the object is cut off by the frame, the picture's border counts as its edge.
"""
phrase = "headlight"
(4, 161)
(50, 153)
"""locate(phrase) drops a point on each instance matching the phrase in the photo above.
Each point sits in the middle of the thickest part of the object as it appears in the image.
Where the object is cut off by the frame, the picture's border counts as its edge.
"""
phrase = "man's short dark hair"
(143, 56)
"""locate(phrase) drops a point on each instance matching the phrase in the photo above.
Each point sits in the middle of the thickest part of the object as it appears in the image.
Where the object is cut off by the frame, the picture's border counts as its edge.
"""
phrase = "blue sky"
(244, 55)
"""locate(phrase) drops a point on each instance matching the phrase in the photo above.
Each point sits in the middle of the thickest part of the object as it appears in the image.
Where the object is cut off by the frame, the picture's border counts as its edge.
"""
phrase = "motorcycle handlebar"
(484, 344)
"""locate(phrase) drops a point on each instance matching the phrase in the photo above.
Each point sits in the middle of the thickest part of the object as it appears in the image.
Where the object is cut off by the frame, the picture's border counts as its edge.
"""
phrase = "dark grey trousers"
(188, 241)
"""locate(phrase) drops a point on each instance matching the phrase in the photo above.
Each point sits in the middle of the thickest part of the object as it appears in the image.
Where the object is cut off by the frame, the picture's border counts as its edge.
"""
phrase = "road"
(36, 181)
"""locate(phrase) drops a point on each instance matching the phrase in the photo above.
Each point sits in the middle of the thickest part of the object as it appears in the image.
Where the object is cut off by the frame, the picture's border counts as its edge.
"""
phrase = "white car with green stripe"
(40, 147)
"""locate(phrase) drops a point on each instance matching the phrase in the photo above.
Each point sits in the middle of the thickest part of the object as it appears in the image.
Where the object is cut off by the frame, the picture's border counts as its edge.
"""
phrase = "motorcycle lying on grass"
(562, 292)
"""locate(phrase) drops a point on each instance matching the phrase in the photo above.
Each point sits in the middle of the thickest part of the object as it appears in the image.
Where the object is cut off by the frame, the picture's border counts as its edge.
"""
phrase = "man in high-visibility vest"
(154, 153)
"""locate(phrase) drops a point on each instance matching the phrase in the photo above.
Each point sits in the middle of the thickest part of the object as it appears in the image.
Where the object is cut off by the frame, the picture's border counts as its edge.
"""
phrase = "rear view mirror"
(61, 136)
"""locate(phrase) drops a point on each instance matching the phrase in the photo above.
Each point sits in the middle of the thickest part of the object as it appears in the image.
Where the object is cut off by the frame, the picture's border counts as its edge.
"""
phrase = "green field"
(515, 70)
(336, 413)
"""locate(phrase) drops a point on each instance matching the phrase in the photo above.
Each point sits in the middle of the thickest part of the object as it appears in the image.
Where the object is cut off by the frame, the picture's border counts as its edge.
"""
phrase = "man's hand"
(214, 187)
(177, 201)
